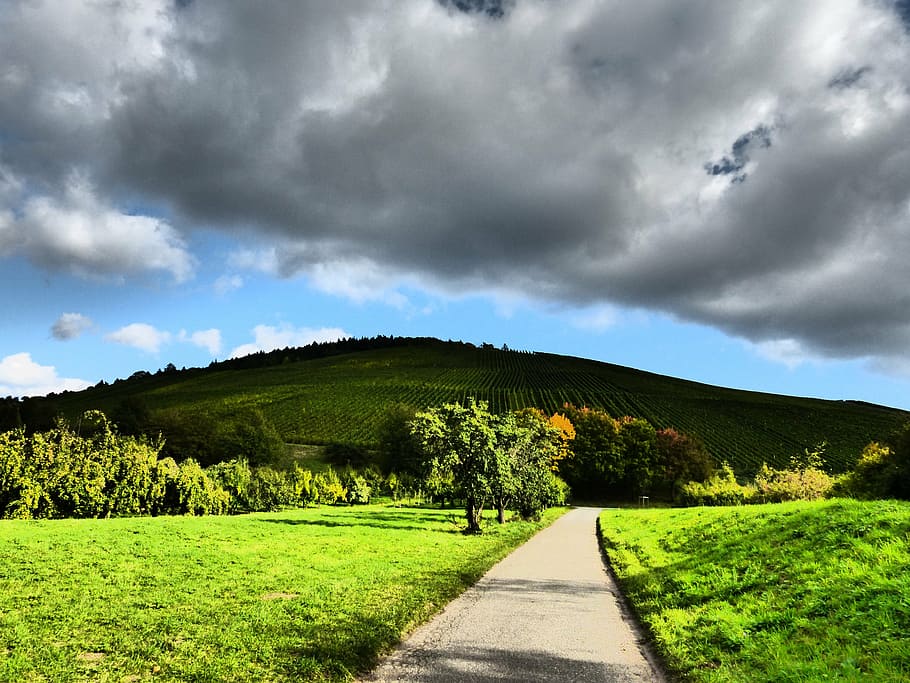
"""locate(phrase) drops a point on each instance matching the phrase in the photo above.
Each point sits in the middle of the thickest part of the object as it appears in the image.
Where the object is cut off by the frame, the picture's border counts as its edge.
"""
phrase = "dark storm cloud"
(578, 152)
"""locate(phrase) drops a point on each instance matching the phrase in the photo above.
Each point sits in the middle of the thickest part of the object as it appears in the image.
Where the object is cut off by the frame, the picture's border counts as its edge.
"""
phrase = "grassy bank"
(299, 595)
(789, 592)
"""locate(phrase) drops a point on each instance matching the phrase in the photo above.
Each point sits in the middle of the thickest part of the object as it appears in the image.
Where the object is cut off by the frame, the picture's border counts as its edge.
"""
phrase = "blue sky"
(720, 193)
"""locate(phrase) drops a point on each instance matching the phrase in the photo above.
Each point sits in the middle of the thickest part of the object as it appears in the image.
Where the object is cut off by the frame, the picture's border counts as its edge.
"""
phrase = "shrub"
(540, 490)
(805, 483)
(198, 494)
(304, 486)
(720, 489)
(236, 478)
(270, 490)
(329, 489)
(873, 475)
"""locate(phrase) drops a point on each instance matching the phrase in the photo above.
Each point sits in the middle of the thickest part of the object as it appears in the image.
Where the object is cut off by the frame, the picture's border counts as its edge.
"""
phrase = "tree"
(396, 447)
(682, 458)
(638, 440)
(597, 464)
(533, 444)
(460, 440)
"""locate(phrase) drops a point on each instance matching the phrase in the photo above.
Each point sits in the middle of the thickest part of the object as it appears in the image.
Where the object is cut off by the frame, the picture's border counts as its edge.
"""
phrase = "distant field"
(343, 398)
(787, 592)
(300, 595)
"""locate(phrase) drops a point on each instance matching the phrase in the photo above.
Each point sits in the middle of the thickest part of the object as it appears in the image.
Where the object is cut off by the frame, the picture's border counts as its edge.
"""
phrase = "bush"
(720, 489)
(305, 492)
(806, 483)
(874, 474)
(329, 490)
(271, 490)
(198, 494)
(541, 489)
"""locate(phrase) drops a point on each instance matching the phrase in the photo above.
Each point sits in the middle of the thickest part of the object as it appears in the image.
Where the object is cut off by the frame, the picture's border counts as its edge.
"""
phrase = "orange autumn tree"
(566, 434)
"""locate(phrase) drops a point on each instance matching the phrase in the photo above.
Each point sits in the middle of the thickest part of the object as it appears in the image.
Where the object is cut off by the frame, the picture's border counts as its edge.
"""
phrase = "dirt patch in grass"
(90, 657)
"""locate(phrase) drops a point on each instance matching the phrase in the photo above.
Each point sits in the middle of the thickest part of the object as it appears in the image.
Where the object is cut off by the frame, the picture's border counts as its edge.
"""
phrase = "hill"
(340, 393)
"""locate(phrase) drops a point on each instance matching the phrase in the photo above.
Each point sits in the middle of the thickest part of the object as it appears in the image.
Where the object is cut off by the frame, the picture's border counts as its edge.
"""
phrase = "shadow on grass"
(444, 522)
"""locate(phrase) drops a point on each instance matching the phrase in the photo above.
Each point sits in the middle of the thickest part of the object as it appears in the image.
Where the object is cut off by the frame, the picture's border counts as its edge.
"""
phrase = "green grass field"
(788, 592)
(343, 399)
(299, 595)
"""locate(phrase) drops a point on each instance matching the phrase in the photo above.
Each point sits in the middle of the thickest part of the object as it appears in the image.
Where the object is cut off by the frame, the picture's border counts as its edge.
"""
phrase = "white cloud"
(206, 339)
(227, 284)
(79, 232)
(21, 376)
(70, 326)
(358, 280)
(268, 338)
(141, 336)
(789, 352)
(596, 319)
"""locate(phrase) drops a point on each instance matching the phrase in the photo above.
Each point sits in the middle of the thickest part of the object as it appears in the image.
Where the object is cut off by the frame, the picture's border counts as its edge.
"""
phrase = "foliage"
(298, 595)
(683, 458)
(597, 463)
(358, 491)
(638, 443)
(97, 473)
(806, 479)
(396, 446)
(531, 445)
(342, 393)
(480, 458)
(462, 440)
(799, 483)
(803, 591)
(329, 489)
(198, 494)
(212, 437)
(566, 433)
(720, 489)
(874, 474)
(628, 457)
(883, 470)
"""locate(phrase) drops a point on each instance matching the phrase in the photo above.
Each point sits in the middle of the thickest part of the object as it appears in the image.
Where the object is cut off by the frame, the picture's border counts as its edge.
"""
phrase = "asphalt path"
(550, 611)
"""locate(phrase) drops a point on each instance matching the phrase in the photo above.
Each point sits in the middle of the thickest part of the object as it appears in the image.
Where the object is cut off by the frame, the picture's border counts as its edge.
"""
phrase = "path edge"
(642, 633)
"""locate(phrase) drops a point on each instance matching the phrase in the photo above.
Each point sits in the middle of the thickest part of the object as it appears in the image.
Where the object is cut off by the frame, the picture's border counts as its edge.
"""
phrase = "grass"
(344, 398)
(788, 592)
(299, 595)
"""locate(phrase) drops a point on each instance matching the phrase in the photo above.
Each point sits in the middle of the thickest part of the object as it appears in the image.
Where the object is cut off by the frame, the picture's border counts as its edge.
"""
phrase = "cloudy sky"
(717, 190)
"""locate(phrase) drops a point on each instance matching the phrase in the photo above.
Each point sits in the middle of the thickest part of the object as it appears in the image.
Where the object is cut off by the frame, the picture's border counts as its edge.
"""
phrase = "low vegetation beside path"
(310, 594)
(803, 591)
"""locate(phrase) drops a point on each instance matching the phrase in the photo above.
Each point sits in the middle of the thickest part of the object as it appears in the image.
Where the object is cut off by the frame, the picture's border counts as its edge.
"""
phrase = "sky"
(712, 190)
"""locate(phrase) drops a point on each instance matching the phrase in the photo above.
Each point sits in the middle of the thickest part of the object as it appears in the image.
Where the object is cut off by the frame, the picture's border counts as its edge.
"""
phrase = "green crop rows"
(343, 399)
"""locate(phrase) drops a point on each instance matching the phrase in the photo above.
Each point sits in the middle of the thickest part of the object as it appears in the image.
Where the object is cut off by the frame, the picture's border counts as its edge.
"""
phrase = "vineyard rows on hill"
(344, 398)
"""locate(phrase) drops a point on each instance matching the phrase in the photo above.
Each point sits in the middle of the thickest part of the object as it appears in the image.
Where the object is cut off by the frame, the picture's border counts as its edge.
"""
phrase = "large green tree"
(528, 444)
(461, 440)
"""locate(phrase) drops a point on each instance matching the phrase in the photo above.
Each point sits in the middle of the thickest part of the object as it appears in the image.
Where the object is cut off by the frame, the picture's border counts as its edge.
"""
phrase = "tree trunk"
(501, 512)
(473, 513)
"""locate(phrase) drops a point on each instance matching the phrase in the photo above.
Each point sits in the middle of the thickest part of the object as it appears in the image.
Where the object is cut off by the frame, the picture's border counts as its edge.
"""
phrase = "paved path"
(547, 612)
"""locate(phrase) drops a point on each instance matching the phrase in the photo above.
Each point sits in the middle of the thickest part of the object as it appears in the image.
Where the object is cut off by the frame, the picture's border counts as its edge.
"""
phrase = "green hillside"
(339, 393)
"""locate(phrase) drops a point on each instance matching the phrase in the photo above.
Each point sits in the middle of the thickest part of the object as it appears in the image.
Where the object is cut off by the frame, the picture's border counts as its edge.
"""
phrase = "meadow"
(786, 592)
(332, 394)
(313, 594)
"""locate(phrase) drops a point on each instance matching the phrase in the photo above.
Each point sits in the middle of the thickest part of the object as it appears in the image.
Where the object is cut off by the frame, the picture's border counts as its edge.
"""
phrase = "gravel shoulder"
(550, 611)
